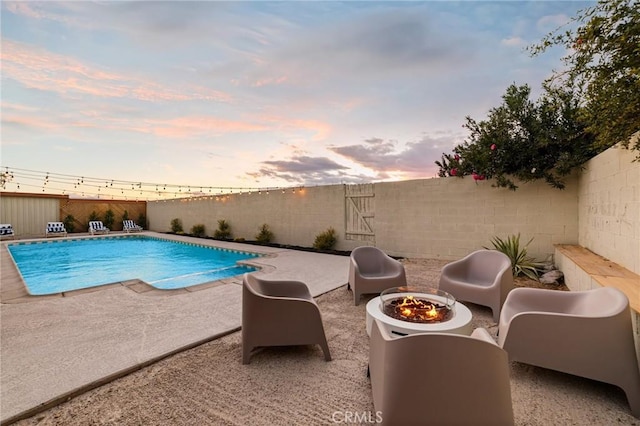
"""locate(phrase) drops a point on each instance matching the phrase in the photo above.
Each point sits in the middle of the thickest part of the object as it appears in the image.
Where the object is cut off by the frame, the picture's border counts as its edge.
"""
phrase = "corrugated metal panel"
(29, 216)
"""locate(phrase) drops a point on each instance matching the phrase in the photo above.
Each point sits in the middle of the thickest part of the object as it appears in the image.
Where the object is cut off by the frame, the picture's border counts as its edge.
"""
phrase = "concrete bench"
(596, 270)
(585, 270)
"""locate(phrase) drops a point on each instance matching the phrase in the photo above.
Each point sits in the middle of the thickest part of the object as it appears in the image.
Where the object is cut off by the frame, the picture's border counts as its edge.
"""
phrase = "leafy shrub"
(125, 216)
(142, 220)
(109, 218)
(224, 230)
(94, 216)
(521, 263)
(326, 240)
(265, 235)
(69, 223)
(198, 230)
(176, 226)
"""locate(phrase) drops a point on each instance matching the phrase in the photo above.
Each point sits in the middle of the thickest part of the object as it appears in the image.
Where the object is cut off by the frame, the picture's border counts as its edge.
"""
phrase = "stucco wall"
(430, 218)
(609, 207)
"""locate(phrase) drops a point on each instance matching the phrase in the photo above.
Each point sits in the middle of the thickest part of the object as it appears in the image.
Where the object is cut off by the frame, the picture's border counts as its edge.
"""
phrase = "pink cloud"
(40, 69)
(270, 81)
(295, 125)
(194, 126)
(26, 121)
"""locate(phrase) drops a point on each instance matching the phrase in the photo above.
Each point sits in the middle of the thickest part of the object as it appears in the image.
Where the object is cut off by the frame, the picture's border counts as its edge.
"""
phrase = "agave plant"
(521, 263)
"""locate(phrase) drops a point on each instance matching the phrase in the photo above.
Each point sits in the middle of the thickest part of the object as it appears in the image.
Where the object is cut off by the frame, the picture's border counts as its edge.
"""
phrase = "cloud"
(551, 22)
(372, 44)
(513, 41)
(39, 11)
(184, 127)
(36, 68)
(305, 170)
(384, 160)
(414, 159)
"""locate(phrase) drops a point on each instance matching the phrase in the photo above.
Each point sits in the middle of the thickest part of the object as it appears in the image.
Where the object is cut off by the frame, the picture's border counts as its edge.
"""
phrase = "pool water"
(71, 264)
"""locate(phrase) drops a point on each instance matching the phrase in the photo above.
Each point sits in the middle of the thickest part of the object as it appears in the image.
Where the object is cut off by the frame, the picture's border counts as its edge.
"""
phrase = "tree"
(523, 139)
(603, 68)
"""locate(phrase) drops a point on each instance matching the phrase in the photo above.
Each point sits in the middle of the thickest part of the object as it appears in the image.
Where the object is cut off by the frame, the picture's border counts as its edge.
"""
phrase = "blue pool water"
(64, 265)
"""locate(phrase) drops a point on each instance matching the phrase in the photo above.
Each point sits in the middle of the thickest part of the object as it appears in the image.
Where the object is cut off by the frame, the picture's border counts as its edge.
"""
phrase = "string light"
(23, 179)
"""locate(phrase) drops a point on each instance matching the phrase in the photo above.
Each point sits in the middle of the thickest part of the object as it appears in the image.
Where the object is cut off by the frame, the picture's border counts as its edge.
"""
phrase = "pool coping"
(14, 289)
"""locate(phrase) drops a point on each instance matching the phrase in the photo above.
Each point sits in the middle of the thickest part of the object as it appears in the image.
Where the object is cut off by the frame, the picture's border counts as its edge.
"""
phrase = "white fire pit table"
(459, 321)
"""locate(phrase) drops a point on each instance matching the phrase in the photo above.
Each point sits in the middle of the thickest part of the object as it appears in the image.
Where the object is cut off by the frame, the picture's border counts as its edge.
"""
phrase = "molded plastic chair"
(439, 379)
(130, 226)
(6, 230)
(55, 228)
(279, 313)
(483, 277)
(372, 271)
(584, 333)
(97, 227)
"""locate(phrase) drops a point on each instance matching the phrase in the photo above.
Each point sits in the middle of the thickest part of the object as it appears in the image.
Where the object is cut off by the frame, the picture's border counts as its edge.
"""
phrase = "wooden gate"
(360, 213)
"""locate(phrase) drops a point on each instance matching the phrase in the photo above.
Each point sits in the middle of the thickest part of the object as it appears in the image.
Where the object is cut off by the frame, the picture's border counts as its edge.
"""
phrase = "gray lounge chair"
(371, 271)
(279, 313)
(584, 333)
(483, 277)
(439, 379)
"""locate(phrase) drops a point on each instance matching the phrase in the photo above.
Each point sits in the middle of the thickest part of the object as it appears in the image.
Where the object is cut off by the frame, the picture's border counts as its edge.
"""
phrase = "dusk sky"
(259, 94)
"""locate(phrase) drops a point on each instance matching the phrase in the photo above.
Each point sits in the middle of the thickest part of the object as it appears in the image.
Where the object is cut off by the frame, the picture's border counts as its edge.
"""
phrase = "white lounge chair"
(97, 227)
(130, 226)
(6, 230)
(55, 228)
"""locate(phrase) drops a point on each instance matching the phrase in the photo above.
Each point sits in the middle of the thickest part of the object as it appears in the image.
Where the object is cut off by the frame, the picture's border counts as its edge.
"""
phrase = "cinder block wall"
(294, 217)
(448, 218)
(609, 207)
(429, 218)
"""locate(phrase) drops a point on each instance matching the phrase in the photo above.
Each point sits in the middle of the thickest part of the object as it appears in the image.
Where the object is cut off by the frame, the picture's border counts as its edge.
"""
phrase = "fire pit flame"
(416, 309)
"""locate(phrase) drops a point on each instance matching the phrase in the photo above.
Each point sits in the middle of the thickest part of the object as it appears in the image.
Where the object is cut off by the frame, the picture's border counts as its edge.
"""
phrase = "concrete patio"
(55, 347)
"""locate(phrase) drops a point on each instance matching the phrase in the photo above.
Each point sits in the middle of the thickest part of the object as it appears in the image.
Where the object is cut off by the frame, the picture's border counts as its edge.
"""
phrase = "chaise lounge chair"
(55, 228)
(130, 226)
(97, 227)
(6, 230)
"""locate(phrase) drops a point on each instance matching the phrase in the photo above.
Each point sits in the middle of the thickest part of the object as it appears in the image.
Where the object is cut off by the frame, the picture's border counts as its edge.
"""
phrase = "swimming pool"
(49, 267)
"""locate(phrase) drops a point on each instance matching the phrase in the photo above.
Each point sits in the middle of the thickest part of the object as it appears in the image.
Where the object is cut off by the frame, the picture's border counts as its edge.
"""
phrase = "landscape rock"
(552, 277)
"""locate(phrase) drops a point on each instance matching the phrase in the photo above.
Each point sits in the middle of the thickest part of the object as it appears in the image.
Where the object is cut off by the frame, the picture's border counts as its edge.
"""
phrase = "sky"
(257, 94)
